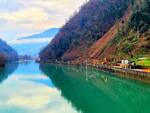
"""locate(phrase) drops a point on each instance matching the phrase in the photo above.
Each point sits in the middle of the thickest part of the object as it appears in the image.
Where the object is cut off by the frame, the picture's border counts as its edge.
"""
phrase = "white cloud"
(32, 97)
(28, 15)
(29, 41)
(22, 17)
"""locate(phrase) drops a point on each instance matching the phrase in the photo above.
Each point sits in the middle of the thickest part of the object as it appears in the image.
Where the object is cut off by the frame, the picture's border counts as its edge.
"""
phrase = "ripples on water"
(69, 89)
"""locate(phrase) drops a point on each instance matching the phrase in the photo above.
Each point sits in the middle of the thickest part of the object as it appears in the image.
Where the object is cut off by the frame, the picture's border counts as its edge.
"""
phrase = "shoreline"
(128, 73)
(120, 72)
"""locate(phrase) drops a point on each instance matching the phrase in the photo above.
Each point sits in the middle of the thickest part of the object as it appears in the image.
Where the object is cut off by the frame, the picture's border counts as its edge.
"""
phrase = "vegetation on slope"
(97, 48)
(144, 62)
(7, 53)
(93, 20)
(133, 41)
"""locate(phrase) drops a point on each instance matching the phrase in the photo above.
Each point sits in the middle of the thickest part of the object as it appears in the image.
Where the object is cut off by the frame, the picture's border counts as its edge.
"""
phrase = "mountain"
(110, 29)
(93, 20)
(7, 53)
(32, 45)
(46, 34)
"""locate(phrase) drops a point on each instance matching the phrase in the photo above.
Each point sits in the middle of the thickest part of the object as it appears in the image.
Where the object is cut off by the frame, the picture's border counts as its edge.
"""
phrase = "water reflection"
(92, 91)
(7, 70)
(28, 90)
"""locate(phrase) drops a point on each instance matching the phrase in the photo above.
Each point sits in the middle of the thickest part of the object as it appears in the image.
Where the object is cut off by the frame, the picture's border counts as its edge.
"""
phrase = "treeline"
(84, 28)
(140, 20)
(134, 40)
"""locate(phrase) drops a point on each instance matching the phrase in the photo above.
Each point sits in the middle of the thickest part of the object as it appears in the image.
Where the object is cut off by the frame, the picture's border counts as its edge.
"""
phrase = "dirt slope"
(96, 49)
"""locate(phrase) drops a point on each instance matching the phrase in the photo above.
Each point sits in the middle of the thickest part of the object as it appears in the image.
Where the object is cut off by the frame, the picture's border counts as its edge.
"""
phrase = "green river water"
(33, 88)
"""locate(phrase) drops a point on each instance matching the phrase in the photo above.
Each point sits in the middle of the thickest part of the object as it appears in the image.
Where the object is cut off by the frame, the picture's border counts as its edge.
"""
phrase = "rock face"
(7, 53)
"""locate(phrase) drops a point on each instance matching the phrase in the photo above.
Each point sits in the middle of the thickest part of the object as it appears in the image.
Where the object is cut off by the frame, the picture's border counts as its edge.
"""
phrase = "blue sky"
(25, 17)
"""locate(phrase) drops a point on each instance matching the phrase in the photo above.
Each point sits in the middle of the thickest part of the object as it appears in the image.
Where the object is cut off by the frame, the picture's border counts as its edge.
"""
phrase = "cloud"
(22, 17)
(28, 16)
(29, 41)
(30, 97)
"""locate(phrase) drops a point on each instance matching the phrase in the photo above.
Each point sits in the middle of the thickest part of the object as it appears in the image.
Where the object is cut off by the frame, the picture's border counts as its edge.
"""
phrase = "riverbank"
(134, 74)
(127, 73)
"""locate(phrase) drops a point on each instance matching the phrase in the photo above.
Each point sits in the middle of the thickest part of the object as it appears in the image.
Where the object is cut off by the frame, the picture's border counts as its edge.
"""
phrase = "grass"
(145, 62)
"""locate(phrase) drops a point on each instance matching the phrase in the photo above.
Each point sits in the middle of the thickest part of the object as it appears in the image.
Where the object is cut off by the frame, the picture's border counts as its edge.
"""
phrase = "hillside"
(7, 53)
(93, 20)
(95, 50)
(116, 30)
(132, 41)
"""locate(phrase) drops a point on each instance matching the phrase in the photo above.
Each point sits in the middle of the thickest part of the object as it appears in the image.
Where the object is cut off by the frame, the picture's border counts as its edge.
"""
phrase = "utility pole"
(86, 69)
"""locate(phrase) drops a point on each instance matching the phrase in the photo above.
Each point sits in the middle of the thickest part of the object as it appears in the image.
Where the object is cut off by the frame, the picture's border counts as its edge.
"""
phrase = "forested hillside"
(7, 53)
(110, 29)
(93, 20)
(133, 40)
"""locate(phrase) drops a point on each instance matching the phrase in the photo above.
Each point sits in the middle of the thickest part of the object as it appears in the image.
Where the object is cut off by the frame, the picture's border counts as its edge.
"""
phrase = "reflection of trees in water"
(101, 93)
(83, 95)
(7, 70)
(26, 62)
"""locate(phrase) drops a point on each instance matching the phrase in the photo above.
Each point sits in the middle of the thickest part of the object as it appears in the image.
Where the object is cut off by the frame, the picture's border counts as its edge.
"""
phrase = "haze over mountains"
(32, 45)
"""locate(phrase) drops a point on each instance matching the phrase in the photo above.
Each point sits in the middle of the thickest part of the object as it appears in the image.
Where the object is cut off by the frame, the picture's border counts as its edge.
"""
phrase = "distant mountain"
(46, 34)
(32, 45)
(31, 49)
(7, 53)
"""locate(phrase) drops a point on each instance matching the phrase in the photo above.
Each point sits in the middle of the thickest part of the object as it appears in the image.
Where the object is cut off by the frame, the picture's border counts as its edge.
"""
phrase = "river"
(28, 87)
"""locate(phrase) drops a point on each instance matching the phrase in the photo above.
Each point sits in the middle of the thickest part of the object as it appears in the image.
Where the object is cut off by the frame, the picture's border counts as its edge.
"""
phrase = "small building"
(125, 64)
